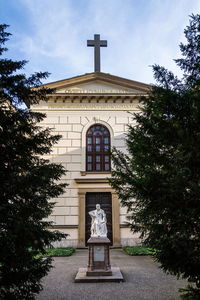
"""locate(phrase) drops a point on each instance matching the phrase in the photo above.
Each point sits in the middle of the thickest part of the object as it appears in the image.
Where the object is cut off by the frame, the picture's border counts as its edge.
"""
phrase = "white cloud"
(139, 33)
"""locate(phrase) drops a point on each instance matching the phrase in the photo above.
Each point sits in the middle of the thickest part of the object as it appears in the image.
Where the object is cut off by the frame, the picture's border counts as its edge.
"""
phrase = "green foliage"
(138, 250)
(159, 179)
(28, 181)
(189, 293)
(60, 251)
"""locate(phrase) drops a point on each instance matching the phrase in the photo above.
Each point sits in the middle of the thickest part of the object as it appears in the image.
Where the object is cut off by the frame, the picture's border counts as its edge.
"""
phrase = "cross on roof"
(96, 43)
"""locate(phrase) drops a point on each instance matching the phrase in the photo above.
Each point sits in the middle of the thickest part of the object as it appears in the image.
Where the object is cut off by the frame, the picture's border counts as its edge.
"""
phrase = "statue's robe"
(98, 224)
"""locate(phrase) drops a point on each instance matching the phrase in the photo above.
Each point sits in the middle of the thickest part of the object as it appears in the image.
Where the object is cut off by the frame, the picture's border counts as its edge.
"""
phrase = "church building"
(91, 112)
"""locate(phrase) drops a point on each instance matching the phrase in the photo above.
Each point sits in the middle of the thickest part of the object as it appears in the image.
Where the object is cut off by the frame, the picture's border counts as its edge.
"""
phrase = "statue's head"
(98, 207)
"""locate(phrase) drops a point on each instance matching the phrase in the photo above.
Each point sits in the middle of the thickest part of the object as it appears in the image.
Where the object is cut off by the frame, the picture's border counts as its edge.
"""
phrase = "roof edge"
(95, 75)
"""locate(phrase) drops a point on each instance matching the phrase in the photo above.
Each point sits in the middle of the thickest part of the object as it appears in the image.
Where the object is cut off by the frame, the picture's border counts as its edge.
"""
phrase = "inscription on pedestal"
(99, 253)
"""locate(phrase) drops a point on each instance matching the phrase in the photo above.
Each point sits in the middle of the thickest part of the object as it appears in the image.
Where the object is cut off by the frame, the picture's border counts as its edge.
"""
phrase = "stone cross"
(96, 43)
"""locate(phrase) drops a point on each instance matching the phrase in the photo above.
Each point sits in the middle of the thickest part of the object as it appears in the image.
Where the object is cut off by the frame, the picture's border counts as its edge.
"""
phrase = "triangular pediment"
(98, 83)
(96, 86)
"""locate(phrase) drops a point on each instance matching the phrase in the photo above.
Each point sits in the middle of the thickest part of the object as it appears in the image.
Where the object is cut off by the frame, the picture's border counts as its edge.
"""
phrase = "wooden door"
(105, 200)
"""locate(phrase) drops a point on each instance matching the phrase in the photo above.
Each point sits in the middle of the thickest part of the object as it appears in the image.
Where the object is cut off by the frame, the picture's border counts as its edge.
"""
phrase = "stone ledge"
(98, 240)
(84, 173)
(115, 277)
(91, 180)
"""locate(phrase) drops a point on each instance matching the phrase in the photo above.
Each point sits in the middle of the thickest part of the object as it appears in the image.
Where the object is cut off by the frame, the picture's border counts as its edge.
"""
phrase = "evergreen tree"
(159, 179)
(27, 181)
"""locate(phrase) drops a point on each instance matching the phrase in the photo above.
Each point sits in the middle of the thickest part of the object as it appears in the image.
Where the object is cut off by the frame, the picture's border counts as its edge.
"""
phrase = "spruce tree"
(27, 181)
(158, 180)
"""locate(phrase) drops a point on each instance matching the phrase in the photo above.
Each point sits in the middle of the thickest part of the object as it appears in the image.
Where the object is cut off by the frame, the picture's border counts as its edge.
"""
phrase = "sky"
(52, 35)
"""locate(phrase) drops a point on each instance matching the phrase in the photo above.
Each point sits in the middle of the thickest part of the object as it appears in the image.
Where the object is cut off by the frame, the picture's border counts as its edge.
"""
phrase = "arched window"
(97, 147)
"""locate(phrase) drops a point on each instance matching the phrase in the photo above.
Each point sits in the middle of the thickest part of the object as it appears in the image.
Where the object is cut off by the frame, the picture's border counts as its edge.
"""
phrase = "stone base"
(115, 277)
(97, 272)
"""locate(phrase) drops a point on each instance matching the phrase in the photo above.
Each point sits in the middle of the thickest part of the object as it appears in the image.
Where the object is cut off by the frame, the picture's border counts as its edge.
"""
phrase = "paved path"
(143, 280)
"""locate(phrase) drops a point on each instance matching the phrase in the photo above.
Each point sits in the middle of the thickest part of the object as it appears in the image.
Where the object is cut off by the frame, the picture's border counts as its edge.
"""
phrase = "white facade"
(77, 104)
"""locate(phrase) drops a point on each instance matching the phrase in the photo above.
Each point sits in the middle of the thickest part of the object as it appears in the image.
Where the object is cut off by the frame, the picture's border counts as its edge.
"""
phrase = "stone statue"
(98, 224)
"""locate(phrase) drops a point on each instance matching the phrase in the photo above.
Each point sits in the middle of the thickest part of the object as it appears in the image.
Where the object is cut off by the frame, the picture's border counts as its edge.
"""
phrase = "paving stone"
(144, 280)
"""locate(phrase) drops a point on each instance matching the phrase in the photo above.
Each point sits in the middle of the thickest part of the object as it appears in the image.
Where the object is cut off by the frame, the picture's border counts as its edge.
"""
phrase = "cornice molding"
(89, 102)
(87, 106)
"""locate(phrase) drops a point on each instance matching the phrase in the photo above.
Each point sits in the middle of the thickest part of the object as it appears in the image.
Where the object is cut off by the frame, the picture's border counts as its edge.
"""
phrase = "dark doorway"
(105, 200)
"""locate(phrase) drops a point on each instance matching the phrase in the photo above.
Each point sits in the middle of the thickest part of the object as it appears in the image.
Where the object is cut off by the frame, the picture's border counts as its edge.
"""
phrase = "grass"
(62, 251)
(139, 250)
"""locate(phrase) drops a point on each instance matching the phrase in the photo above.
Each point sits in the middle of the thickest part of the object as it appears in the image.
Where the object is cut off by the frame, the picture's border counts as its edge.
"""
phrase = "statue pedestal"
(99, 269)
(99, 257)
